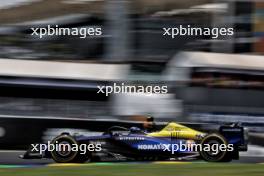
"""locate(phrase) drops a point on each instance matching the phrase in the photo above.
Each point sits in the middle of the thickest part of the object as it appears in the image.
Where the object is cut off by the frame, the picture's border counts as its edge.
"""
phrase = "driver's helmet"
(149, 123)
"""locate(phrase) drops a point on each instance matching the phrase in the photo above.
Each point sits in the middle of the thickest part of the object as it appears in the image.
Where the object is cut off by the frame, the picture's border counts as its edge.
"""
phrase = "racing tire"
(69, 156)
(212, 156)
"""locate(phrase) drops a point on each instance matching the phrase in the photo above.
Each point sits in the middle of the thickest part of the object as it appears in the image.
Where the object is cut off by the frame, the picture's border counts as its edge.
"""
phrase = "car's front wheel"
(66, 150)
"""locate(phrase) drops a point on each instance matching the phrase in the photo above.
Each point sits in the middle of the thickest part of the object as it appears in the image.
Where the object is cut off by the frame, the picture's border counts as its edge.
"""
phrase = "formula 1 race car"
(174, 141)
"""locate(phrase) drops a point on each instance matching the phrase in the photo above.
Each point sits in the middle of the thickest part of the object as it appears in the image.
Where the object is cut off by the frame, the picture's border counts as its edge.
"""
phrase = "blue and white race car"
(174, 141)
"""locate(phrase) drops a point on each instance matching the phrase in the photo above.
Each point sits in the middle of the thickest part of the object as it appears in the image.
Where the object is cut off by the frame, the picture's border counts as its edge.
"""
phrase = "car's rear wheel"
(214, 154)
(67, 150)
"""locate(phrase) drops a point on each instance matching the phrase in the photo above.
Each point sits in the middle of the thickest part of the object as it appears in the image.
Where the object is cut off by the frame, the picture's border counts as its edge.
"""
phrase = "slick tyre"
(65, 154)
(213, 141)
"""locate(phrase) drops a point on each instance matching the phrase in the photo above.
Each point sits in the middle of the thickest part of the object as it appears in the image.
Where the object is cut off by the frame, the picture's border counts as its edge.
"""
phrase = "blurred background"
(56, 77)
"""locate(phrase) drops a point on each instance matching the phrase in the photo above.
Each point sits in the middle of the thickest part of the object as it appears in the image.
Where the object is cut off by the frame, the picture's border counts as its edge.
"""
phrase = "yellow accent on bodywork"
(178, 131)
